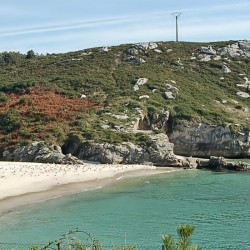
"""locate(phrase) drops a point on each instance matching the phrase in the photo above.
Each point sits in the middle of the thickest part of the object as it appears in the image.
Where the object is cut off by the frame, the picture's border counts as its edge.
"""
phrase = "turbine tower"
(176, 14)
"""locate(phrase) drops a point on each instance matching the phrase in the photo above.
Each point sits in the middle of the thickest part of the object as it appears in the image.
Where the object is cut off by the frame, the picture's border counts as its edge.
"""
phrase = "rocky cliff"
(43, 152)
(202, 140)
(157, 150)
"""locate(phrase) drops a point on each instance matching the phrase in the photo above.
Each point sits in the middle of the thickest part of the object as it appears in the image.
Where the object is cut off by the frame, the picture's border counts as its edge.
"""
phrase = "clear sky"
(48, 26)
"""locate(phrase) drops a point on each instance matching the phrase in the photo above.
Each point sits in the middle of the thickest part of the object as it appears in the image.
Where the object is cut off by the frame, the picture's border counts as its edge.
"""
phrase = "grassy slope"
(107, 79)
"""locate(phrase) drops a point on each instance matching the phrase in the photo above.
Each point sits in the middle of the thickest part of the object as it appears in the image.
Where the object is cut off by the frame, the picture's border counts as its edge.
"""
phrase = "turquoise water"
(217, 204)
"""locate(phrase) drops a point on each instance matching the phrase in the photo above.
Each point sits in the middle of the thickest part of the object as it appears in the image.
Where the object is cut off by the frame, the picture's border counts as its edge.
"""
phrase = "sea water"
(138, 211)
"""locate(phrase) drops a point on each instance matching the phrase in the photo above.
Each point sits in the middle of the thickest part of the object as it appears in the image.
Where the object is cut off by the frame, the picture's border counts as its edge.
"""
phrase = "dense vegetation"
(40, 94)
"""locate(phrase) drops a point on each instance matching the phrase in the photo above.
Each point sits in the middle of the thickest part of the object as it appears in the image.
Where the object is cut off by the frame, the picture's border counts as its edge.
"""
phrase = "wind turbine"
(176, 14)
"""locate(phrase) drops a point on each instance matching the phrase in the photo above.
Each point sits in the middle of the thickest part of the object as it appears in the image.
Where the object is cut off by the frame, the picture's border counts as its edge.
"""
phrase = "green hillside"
(40, 96)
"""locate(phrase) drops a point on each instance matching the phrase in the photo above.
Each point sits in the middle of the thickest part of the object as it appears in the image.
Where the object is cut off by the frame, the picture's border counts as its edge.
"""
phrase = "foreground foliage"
(184, 242)
(70, 241)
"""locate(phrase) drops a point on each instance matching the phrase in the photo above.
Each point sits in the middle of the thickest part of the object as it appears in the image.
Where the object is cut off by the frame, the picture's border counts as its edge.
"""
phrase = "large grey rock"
(202, 140)
(232, 52)
(136, 87)
(245, 86)
(132, 51)
(169, 95)
(157, 51)
(139, 82)
(243, 94)
(146, 46)
(171, 88)
(204, 57)
(208, 50)
(133, 59)
(225, 69)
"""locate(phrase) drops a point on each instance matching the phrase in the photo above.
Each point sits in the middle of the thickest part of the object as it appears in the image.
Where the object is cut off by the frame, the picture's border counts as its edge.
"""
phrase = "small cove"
(143, 208)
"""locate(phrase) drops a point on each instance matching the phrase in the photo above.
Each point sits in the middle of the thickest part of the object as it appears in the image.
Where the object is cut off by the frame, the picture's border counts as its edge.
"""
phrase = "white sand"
(19, 178)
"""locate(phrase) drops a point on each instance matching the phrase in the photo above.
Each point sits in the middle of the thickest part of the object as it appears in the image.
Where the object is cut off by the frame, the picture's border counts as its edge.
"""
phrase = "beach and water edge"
(23, 183)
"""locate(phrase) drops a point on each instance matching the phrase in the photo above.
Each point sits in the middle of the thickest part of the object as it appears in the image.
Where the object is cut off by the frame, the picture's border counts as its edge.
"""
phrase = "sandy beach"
(24, 182)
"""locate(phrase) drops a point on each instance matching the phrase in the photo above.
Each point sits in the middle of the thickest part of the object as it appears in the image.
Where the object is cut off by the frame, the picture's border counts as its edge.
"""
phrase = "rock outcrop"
(156, 149)
(152, 120)
(202, 140)
(40, 152)
(221, 164)
(237, 49)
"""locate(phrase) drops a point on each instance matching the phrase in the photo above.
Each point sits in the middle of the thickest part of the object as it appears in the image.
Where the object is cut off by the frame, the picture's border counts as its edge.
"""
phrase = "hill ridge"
(197, 82)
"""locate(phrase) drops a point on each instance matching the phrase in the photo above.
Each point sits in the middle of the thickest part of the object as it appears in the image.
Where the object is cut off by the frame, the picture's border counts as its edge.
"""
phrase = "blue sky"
(53, 26)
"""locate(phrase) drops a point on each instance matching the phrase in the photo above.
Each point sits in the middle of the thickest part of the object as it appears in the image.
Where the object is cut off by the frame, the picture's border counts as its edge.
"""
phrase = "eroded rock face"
(40, 152)
(202, 140)
(153, 120)
(158, 150)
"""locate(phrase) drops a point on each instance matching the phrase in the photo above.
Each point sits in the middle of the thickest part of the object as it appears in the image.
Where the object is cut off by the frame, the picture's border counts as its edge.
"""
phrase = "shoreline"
(24, 183)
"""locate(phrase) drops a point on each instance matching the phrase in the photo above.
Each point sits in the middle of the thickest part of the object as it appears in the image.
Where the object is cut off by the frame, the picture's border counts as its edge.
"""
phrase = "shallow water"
(140, 210)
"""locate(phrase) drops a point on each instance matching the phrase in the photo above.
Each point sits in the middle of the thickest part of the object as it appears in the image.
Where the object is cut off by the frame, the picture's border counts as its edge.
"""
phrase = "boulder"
(105, 127)
(132, 51)
(146, 46)
(243, 94)
(171, 88)
(208, 50)
(104, 49)
(169, 95)
(217, 58)
(204, 57)
(120, 117)
(143, 97)
(225, 69)
(136, 87)
(157, 51)
(141, 81)
(232, 52)
(245, 86)
(133, 59)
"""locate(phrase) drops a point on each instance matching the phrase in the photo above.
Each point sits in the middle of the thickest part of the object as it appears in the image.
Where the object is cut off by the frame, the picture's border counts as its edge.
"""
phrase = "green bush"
(10, 121)
(23, 100)
(184, 242)
(3, 98)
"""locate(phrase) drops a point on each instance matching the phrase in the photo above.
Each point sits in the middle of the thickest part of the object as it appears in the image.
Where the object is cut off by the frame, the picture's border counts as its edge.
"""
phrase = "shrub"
(9, 121)
(23, 100)
(184, 242)
(3, 98)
